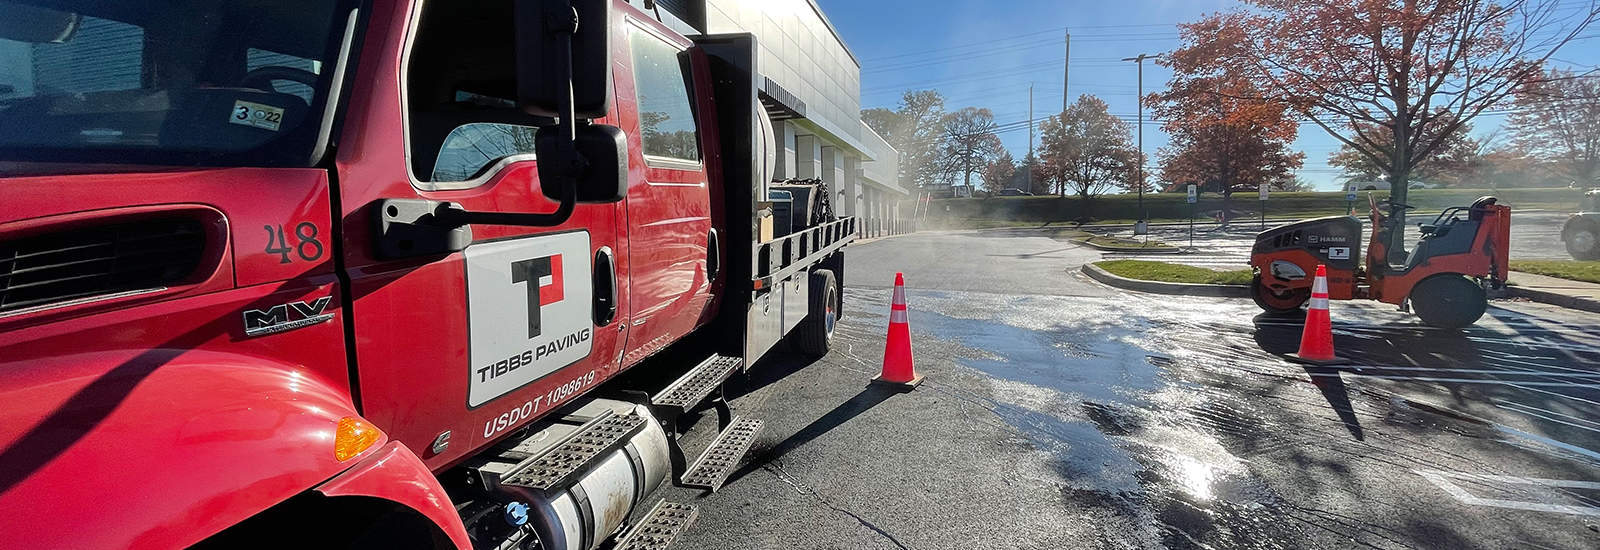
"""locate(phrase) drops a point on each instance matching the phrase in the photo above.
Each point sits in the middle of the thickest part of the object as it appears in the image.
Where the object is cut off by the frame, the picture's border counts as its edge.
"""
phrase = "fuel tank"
(581, 515)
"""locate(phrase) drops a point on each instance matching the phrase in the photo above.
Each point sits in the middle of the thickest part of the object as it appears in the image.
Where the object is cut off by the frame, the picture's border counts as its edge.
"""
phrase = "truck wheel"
(814, 335)
(1275, 303)
(1449, 301)
(1582, 244)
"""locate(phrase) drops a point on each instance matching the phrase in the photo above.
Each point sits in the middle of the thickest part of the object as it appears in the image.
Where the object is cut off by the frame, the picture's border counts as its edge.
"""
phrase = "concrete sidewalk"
(1551, 290)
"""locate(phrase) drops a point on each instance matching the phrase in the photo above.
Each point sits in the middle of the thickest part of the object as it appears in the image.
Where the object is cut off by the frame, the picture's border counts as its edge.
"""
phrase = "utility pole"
(1029, 168)
(1140, 61)
(1066, 77)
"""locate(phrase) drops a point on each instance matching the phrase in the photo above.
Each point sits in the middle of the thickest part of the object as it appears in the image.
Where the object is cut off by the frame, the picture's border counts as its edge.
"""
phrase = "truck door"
(669, 209)
(455, 349)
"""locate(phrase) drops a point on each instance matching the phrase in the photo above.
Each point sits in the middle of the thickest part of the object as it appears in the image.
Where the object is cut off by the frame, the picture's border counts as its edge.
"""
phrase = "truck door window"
(460, 83)
(472, 147)
(666, 113)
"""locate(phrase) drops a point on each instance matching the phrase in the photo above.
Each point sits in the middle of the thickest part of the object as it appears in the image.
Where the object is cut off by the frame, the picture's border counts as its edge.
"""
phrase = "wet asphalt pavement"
(1535, 235)
(1059, 413)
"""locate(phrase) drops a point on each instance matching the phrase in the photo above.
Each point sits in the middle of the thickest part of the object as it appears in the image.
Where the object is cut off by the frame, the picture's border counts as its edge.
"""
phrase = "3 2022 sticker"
(256, 115)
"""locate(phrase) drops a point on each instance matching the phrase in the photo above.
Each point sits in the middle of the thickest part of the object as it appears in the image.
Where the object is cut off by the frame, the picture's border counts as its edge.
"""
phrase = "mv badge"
(528, 309)
(284, 317)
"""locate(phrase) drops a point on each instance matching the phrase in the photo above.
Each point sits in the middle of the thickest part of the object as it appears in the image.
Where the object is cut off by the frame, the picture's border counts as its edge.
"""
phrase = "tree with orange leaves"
(1224, 136)
(1393, 66)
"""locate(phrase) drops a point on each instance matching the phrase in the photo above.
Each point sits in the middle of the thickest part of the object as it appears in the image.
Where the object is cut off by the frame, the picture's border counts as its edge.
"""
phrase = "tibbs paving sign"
(528, 309)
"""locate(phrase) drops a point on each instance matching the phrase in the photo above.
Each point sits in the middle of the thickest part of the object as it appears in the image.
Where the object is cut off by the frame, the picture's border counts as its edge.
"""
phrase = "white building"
(812, 90)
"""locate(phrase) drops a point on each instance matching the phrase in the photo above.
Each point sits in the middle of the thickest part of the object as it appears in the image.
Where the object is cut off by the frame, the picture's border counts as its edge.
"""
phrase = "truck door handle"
(713, 254)
(605, 287)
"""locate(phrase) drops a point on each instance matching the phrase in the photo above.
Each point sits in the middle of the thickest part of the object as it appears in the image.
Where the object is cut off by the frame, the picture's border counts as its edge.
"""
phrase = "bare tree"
(915, 129)
(970, 142)
(1558, 123)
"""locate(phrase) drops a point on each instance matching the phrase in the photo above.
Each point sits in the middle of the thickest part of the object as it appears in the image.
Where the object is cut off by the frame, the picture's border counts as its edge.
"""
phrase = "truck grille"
(104, 260)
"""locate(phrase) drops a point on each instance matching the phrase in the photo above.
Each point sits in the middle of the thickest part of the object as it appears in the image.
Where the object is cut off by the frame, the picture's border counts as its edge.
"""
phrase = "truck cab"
(270, 270)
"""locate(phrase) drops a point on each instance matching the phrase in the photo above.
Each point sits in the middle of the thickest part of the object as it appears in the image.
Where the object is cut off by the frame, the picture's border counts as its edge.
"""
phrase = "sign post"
(1264, 207)
(1350, 198)
(1194, 197)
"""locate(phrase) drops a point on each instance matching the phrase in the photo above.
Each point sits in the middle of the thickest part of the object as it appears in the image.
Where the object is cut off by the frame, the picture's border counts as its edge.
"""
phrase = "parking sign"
(1194, 193)
(1263, 192)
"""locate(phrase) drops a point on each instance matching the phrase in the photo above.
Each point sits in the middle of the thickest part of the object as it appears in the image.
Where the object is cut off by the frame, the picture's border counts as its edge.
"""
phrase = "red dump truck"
(381, 274)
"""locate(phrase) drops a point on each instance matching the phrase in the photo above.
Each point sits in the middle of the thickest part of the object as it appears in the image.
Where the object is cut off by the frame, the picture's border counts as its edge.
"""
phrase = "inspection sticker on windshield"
(261, 116)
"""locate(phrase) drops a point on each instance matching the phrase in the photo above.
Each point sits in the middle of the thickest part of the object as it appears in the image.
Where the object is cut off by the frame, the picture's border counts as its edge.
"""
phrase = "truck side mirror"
(603, 176)
(543, 29)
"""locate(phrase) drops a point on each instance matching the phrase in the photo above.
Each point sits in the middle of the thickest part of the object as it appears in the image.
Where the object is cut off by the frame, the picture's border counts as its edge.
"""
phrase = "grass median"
(1588, 272)
(1173, 273)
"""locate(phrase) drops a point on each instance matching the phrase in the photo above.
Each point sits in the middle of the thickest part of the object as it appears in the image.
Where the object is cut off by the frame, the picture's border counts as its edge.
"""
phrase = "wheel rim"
(1583, 240)
(1288, 299)
(830, 314)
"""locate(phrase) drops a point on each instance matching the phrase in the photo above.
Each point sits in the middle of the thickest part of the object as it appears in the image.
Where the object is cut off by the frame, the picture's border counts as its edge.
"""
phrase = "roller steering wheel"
(261, 78)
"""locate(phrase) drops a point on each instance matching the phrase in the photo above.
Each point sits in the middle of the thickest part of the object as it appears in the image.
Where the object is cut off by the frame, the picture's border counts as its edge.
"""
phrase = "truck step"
(660, 527)
(561, 464)
(713, 467)
(698, 383)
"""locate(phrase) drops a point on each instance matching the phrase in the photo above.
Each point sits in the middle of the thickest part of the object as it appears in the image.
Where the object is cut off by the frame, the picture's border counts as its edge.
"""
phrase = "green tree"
(915, 128)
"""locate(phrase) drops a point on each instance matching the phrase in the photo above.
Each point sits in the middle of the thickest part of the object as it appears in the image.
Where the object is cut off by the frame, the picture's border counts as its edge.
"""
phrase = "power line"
(1056, 30)
(1011, 49)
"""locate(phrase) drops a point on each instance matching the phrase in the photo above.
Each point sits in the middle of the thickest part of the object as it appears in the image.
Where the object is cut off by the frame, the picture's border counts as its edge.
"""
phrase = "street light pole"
(1140, 62)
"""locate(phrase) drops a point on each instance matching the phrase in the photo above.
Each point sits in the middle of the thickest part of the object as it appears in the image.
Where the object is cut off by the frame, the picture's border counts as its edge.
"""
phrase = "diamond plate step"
(712, 468)
(660, 527)
(556, 468)
(694, 386)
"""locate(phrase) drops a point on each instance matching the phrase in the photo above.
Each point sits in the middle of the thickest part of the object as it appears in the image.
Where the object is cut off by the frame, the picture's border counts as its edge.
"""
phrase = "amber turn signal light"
(352, 437)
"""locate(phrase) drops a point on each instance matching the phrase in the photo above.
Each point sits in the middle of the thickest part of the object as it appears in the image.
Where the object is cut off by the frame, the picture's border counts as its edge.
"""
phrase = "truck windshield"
(168, 82)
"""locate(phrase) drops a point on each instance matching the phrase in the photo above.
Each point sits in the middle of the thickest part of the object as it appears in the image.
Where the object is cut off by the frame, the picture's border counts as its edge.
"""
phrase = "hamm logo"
(546, 286)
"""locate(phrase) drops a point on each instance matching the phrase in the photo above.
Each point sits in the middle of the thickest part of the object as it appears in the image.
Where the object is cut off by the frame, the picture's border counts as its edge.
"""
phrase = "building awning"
(780, 104)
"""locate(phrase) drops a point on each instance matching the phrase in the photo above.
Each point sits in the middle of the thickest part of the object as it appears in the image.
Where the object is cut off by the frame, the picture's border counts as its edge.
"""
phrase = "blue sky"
(986, 53)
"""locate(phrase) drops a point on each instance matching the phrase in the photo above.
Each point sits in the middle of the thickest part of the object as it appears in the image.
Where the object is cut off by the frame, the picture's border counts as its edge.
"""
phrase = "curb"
(1168, 250)
(1154, 287)
(1546, 297)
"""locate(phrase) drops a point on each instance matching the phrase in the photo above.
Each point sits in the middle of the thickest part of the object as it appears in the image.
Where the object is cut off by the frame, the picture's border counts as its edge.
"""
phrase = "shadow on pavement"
(1328, 380)
(1541, 371)
(869, 397)
(1030, 255)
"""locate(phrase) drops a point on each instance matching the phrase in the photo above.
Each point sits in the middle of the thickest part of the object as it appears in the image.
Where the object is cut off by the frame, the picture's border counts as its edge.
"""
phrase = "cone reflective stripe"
(1319, 289)
(898, 368)
(1316, 341)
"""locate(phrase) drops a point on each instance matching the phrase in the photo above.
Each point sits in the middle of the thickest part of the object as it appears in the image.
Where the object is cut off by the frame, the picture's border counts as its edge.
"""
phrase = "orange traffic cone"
(1316, 342)
(898, 370)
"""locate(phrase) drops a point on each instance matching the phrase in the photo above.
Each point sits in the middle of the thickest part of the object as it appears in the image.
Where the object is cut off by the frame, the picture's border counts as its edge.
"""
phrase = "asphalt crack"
(775, 467)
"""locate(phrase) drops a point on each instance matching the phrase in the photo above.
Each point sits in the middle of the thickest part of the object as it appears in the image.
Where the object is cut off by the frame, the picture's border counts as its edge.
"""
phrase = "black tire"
(1278, 304)
(1449, 301)
(1583, 242)
(814, 335)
